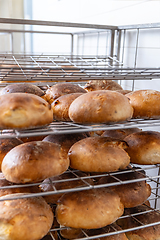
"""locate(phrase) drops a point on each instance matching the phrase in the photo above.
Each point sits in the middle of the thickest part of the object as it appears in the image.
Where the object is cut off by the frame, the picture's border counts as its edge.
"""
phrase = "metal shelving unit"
(70, 127)
(45, 70)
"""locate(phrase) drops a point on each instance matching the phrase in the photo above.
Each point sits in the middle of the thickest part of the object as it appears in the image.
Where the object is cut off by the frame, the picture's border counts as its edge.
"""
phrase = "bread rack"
(45, 70)
(154, 180)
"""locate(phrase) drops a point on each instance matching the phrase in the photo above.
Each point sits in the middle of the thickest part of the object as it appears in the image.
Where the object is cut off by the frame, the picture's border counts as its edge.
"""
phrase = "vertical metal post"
(106, 42)
(77, 44)
(157, 189)
(136, 49)
(112, 45)
(24, 43)
(83, 44)
(135, 60)
(112, 42)
(12, 48)
(123, 46)
(72, 44)
(119, 44)
(97, 43)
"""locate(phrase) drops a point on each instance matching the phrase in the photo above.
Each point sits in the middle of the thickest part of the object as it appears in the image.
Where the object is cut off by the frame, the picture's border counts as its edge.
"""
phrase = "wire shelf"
(44, 69)
(145, 175)
(75, 176)
(72, 175)
(112, 232)
(70, 127)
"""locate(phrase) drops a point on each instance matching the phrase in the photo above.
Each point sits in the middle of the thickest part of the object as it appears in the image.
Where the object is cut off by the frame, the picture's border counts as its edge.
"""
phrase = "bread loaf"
(95, 85)
(145, 103)
(89, 209)
(25, 218)
(98, 154)
(61, 89)
(22, 88)
(144, 147)
(34, 161)
(101, 106)
(24, 110)
(6, 144)
(61, 106)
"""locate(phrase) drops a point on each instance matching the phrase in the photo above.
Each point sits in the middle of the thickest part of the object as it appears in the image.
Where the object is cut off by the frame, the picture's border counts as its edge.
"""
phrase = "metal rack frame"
(74, 176)
(87, 186)
(45, 70)
(70, 127)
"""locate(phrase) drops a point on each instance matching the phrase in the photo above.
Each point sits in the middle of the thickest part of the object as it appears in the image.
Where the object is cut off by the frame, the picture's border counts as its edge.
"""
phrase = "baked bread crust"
(144, 147)
(34, 161)
(24, 110)
(89, 209)
(95, 85)
(98, 154)
(101, 106)
(61, 89)
(25, 218)
(145, 103)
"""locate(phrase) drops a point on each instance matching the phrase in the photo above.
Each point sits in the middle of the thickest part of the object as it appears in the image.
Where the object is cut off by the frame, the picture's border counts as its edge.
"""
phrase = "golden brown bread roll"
(151, 217)
(144, 147)
(101, 106)
(61, 89)
(90, 209)
(95, 85)
(6, 144)
(131, 194)
(22, 88)
(119, 133)
(24, 110)
(8, 190)
(65, 141)
(98, 154)
(25, 218)
(61, 106)
(34, 161)
(60, 183)
(145, 103)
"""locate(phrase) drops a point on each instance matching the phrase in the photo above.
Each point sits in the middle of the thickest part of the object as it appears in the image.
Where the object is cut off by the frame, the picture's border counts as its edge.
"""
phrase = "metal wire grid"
(103, 233)
(48, 68)
(70, 127)
(74, 176)
(113, 230)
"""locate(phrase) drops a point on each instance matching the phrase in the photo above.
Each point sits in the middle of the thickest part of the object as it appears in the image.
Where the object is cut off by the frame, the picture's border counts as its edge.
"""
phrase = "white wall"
(11, 9)
(111, 12)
